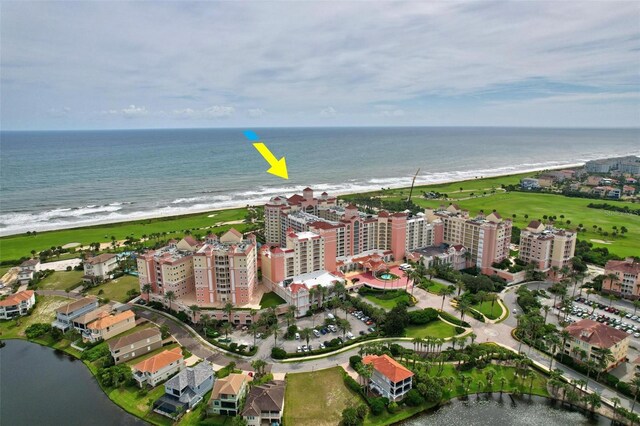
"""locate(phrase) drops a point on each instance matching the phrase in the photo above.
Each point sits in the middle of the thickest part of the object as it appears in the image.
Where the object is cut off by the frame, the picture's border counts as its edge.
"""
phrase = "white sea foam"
(20, 222)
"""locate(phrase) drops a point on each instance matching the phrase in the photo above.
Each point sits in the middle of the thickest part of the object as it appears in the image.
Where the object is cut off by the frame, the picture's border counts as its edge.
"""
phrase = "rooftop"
(120, 342)
(388, 367)
(159, 361)
(75, 305)
(267, 397)
(109, 320)
(101, 258)
(596, 334)
(16, 299)
(230, 385)
(313, 279)
(191, 376)
(628, 266)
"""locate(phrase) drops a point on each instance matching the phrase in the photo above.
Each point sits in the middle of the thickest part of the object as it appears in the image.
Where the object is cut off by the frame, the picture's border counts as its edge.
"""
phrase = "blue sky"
(99, 65)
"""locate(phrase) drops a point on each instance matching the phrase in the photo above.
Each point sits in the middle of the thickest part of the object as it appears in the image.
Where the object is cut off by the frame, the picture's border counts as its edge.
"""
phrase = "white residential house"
(389, 378)
(67, 313)
(17, 304)
(27, 269)
(99, 267)
(159, 367)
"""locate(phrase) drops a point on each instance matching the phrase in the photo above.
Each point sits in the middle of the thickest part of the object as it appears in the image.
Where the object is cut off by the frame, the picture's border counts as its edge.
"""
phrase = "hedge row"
(453, 320)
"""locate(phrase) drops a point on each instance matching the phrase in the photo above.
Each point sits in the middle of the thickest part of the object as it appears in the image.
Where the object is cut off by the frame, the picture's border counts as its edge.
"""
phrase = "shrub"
(355, 361)
(459, 330)
(413, 398)
(96, 352)
(37, 330)
(377, 406)
(393, 407)
(278, 353)
(423, 316)
(351, 383)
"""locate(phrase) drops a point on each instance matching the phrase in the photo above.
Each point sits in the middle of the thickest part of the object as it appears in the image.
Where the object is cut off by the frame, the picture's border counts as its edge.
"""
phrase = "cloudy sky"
(74, 65)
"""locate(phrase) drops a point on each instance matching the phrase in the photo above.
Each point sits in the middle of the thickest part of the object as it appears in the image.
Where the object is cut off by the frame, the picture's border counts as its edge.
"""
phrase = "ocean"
(62, 179)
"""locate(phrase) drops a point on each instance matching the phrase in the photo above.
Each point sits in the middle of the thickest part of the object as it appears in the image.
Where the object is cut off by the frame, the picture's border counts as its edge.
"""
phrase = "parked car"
(316, 333)
(297, 336)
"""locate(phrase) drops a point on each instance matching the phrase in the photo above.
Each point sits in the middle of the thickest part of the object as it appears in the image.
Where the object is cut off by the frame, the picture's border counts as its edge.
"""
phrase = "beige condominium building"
(627, 281)
(546, 247)
(589, 337)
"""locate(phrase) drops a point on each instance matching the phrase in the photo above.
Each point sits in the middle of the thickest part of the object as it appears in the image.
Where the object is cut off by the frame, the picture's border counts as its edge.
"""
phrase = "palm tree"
(591, 366)
(253, 328)
(228, 308)
(170, 296)
(594, 400)
(306, 333)
(605, 357)
(344, 326)
(274, 329)
(503, 381)
(463, 307)
(636, 305)
(147, 289)
(473, 337)
(258, 366)
(194, 309)
(226, 329)
(444, 292)
(460, 285)
(290, 315)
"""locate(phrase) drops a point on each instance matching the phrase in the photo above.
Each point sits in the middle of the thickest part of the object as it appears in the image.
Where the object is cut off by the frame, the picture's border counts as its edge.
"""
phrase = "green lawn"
(437, 329)
(136, 401)
(43, 312)
(16, 246)
(388, 304)
(61, 280)
(491, 313)
(535, 206)
(432, 286)
(270, 300)
(317, 398)
(117, 289)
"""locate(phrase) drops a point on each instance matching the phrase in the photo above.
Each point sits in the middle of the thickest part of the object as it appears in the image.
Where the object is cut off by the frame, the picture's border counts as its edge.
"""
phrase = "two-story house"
(265, 404)
(159, 367)
(109, 325)
(67, 313)
(17, 304)
(389, 378)
(136, 344)
(184, 390)
(27, 269)
(99, 267)
(227, 394)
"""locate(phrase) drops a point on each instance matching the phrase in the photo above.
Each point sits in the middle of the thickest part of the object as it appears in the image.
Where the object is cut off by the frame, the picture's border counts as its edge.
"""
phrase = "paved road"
(498, 333)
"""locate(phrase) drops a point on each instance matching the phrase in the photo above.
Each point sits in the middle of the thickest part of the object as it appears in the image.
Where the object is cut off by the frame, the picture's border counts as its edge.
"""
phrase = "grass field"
(16, 246)
(317, 398)
(535, 206)
(61, 280)
(437, 329)
(270, 300)
(388, 304)
(487, 311)
(432, 286)
(117, 289)
(44, 312)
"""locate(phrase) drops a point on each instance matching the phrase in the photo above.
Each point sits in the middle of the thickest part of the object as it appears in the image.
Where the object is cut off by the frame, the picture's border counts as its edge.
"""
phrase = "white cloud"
(256, 112)
(410, 56)
(59, 112)
(328, 112)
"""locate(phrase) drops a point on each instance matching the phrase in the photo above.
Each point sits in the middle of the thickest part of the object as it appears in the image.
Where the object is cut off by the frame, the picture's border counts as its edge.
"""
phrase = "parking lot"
(324, 333)
(582, 309)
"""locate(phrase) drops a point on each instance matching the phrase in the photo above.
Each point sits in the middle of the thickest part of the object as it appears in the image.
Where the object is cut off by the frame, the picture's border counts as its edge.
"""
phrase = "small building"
(529, 183)
(627, 283)
(136, 344)
(454, 255)
(265, 404)
(99, 267)
(67, 313)
(628, 190)
(27, 269)
(159, 367)
(185, 390)
(589, 337)
(17, 304)
(109, 325)
(614, 193)
(390, 378)
(227, 394)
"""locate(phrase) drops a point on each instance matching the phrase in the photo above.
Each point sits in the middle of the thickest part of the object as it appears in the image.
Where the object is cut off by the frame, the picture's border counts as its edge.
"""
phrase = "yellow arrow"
(278, 167)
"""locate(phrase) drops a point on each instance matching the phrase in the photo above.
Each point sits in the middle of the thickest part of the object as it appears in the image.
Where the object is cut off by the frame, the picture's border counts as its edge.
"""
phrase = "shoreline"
(242, 205)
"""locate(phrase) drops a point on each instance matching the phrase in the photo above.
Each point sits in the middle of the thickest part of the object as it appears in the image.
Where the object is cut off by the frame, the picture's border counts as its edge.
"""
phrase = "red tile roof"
(100, 258)
(16, 299)
(625, 266)
(388, 367)
(295, 287)
(596, 334)
(159, 361)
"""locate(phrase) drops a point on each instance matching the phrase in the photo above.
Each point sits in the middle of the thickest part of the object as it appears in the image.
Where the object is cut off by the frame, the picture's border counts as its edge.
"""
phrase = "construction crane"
(412, 183)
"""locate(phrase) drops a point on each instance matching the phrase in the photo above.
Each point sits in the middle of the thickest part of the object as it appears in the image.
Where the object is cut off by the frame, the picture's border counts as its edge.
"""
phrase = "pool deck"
(373, 282)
